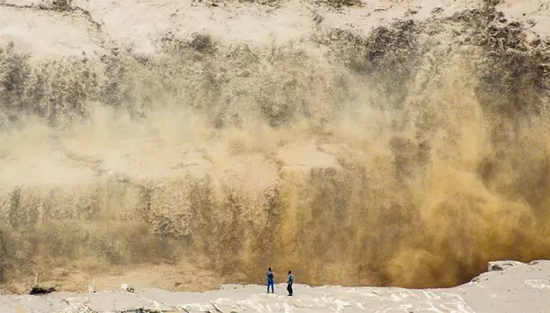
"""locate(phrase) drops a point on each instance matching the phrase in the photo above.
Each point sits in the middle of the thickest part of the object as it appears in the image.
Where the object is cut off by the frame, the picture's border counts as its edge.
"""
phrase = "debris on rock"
(36, 290)
(127, 288)
(503, 265)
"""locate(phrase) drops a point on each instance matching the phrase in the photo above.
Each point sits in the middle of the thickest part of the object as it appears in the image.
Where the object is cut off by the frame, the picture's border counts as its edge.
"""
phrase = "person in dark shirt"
(289, 283)
(270, 280)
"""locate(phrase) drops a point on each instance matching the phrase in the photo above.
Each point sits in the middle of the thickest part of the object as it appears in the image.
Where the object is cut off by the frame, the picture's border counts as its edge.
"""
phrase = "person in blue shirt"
(270, 280)
(289, 283)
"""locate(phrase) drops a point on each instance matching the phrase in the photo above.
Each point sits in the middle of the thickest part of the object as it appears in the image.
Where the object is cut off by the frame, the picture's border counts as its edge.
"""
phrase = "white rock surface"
(521, 288)
(503, 265)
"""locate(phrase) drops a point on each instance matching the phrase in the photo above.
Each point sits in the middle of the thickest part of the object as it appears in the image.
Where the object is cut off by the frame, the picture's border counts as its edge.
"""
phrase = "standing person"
(289, 283)
(270, 280)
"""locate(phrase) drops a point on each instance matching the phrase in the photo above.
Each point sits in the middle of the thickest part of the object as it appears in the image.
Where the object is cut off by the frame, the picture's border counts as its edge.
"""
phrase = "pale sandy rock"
(519, 289)
(503, 265)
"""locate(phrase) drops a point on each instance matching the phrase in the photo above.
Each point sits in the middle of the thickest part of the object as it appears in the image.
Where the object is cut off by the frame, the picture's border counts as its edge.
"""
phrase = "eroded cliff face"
(375, 143)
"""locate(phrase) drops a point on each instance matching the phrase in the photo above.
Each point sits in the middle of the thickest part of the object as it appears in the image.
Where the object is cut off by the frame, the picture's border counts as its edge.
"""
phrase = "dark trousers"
(270, 283)
(289, 288)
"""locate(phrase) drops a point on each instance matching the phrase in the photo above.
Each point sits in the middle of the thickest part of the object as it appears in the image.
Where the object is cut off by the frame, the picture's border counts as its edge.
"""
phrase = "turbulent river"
(407, 156)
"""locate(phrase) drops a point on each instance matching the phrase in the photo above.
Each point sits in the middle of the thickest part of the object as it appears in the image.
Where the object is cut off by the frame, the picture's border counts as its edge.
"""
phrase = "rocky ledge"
(510, 286)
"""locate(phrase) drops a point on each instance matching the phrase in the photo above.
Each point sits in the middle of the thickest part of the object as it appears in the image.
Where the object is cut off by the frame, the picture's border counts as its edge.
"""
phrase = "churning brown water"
(406, 157)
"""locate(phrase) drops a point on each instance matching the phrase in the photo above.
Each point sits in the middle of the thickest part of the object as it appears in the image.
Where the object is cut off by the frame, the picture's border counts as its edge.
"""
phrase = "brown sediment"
(411, 155)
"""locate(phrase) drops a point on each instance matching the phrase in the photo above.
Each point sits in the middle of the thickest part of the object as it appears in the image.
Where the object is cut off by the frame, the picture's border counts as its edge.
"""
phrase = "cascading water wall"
(410, 155)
